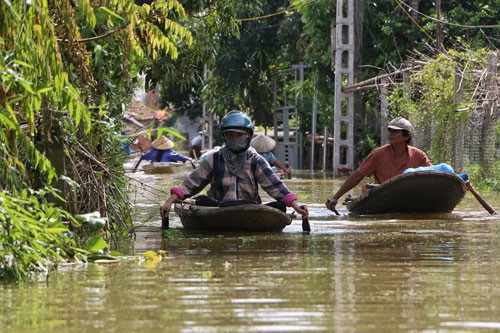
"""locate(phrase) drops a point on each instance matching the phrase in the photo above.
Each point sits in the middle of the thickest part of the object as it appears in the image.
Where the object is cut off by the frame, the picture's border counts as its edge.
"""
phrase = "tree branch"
(117, 29)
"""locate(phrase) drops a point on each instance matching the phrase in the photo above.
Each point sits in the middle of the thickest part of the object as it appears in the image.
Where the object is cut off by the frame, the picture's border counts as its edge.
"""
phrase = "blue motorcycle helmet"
(237, 121)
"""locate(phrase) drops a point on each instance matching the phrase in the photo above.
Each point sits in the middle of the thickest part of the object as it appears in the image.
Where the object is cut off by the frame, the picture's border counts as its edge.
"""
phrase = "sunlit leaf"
(95, 243)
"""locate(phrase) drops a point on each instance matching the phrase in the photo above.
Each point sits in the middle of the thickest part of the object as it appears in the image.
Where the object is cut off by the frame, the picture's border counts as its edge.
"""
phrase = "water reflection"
(351, 274)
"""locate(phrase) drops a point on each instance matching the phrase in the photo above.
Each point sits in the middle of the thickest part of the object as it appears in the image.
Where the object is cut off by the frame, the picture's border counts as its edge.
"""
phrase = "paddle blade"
(192, 163)
(306, 227)
(137, 164)
(165, 223)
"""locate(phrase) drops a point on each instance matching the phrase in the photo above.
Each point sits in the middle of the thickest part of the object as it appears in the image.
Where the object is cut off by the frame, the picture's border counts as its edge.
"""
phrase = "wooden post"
(313, 126)
(439, 34)
(208, 117)
(384, 103)
(325, 146)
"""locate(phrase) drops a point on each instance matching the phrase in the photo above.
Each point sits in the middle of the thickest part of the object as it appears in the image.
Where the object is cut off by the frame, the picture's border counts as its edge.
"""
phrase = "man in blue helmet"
(234, 172)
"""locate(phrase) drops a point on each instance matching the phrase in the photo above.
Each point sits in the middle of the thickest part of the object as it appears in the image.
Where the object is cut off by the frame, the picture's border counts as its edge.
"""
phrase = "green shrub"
(34, 236)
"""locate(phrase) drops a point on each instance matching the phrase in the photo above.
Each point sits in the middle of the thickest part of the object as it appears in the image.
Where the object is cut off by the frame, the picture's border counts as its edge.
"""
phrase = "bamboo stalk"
(377, 78)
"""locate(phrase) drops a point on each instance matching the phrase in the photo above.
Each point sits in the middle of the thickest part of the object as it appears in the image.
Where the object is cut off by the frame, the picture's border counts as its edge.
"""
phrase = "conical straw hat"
(262, 143)
(162, 143)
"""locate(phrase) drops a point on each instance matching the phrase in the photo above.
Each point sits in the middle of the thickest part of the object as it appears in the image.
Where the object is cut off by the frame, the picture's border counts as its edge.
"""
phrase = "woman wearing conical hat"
(264, 145)
(162, 151)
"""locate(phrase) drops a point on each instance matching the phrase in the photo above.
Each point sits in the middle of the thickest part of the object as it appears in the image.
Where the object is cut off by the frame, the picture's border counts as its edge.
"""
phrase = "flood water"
(351, 274)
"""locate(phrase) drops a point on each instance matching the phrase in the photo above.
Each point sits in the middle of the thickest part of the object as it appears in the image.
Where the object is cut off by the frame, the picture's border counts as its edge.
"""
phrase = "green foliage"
(368, 141)
(240, 57)
(274, 34)
(67, 69)
(182, 79)
(473, 22)
(92, 225)
(433, 108)
(34, 235)
(315, 28)
(483, 182)
(431, 104)
(33, 84)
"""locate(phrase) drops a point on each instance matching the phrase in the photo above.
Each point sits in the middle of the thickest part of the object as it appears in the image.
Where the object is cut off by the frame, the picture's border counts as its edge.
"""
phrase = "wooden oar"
(137, 165)
(480, 199)
(194, 154)
(192, 163)
(306, 227)
(165, 223)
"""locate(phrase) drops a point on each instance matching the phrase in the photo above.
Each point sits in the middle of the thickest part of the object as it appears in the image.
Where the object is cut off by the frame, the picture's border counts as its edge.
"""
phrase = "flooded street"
(351, 274)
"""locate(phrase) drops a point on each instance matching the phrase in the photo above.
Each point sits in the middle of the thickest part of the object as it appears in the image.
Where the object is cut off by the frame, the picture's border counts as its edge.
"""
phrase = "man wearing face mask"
(234, 173)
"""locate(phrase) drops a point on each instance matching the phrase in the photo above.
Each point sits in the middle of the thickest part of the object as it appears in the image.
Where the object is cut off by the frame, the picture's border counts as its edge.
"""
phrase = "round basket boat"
(414, 192)
(163, 167)
(248, 217)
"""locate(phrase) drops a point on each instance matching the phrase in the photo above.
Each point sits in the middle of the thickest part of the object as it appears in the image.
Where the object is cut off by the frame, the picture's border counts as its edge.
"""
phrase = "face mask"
(237, 145)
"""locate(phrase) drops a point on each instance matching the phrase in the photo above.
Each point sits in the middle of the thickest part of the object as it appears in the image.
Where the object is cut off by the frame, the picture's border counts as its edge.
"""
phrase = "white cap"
(400, 123)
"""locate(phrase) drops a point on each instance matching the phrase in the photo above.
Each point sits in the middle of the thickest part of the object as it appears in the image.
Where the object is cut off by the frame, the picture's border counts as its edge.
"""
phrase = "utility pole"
(343, 129)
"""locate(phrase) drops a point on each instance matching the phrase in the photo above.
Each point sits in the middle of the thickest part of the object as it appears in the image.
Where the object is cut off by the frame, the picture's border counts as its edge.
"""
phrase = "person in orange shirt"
(387, 161)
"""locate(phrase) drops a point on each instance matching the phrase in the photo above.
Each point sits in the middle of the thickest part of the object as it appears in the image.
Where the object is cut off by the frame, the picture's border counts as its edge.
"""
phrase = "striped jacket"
(225, 187)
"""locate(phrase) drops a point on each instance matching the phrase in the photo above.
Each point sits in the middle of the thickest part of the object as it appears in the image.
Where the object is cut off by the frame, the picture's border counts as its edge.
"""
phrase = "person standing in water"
(264, 145)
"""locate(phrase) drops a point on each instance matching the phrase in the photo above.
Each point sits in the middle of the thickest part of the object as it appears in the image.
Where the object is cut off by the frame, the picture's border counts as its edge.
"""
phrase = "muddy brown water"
(351, 274)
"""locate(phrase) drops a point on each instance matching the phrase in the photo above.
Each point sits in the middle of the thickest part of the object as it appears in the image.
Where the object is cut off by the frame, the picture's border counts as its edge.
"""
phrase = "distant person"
(387, 161)
(208, 152)
(125, 143)
(162, 151)
(234, 173)
(195, 146)
(264, 145)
